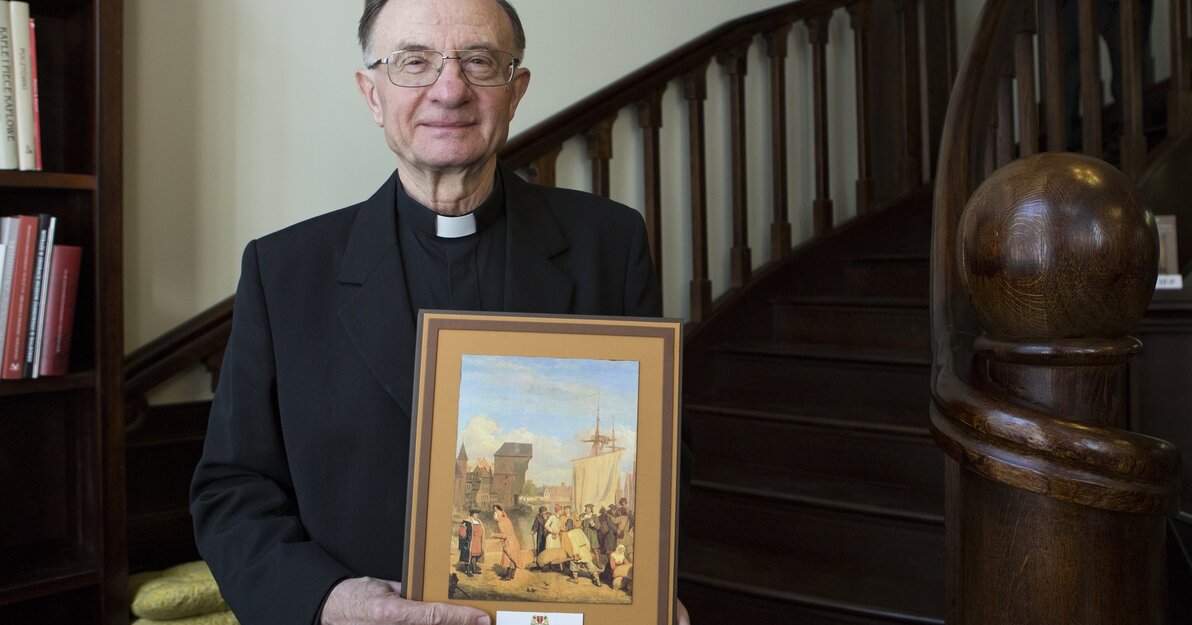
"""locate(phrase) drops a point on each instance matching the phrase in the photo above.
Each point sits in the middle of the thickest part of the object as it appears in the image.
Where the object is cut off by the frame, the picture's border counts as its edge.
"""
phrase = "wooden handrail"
(199, 340)
(1029, 323)
(520, 151)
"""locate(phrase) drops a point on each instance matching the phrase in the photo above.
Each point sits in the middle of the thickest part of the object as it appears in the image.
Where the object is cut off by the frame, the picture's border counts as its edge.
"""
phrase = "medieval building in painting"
(509, 471)
(482, 485)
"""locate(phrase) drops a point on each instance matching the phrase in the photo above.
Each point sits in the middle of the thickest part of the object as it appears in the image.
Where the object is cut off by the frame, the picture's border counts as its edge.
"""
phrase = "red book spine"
(36, 109)
(13, 361)
(60, 310)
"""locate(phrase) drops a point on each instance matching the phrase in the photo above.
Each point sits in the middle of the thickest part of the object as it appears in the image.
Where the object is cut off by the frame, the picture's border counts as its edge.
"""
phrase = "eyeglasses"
(421, 68)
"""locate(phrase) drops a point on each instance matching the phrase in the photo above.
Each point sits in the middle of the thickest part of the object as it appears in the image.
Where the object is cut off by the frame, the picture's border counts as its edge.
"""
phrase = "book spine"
(8, 234)
(36, 102)
(60, 310)
(39, 267)
(18, 306)
(23, 82)
(38, 321)
(8, 94)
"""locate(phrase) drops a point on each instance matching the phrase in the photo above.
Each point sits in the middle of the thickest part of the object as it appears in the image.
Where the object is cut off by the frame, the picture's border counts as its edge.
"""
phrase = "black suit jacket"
(303, 476)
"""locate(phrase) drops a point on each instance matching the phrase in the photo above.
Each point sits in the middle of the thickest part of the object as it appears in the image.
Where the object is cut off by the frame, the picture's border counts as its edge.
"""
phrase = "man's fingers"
(416, 613)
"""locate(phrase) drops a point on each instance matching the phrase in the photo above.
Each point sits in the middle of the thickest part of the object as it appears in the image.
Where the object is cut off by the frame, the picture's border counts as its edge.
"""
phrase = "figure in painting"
(552, 529)
(538, 530)
(622, 568)
(588, 523)
(471, 543)
(579, 557)
(510, 545)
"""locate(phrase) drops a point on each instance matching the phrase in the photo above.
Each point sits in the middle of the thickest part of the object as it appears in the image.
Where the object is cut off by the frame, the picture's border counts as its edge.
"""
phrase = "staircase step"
(823, 559)
(895, 322)
(825, 379)
(907, 275)
(711, 600)
(823, 461)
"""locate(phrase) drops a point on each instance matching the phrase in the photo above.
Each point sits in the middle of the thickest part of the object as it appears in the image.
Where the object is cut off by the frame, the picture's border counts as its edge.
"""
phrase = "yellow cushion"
(178, 592)
(217, 618)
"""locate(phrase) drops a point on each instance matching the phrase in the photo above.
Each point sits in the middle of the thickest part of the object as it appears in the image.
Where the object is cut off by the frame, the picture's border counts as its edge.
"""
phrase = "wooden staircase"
(806, 400)
(817, 494)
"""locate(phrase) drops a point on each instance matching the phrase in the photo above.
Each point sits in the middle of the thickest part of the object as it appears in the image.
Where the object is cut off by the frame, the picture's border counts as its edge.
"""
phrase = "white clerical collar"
(455, 227)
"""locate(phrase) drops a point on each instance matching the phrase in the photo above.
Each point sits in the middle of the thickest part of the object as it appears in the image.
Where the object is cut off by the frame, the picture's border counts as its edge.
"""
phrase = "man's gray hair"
(372, 8)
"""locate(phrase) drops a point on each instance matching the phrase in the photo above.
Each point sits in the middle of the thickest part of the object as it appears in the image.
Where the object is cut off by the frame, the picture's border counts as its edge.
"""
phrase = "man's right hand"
(369, 601)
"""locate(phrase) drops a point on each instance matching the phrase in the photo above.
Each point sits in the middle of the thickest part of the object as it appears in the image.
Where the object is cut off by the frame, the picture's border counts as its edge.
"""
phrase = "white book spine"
(22, 75)
(8, 93)
(45, 289)
(8, 236)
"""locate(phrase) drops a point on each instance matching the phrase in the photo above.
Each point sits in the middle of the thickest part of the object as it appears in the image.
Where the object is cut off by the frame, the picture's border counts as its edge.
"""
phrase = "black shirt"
(462, 273)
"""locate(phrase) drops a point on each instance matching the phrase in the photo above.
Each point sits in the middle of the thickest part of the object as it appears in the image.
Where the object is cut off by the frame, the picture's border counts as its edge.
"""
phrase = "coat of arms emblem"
(539, 619)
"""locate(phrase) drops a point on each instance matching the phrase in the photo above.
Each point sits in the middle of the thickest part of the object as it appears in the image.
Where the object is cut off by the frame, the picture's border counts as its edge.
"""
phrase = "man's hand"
(681, 617)
(369, 601)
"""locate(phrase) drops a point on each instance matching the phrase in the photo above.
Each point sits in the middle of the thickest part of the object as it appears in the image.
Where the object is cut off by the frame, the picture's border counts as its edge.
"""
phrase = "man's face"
(450, 126)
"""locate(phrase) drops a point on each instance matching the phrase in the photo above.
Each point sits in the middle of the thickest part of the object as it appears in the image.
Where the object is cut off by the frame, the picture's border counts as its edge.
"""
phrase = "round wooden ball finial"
(1056, 246)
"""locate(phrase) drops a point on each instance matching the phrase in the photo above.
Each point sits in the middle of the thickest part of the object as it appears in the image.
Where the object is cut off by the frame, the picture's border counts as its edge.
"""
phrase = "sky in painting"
(549, 403)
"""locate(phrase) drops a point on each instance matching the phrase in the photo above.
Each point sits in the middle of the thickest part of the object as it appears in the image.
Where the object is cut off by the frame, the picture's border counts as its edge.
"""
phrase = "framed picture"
(544, 466)
(1169, 262)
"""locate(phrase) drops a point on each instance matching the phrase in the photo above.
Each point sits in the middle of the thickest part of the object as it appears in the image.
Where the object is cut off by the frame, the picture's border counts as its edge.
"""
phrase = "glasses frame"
(514, 63)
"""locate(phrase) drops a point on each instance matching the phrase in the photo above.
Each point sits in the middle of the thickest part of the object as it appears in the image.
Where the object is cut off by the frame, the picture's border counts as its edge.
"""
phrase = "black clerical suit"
(303, 477)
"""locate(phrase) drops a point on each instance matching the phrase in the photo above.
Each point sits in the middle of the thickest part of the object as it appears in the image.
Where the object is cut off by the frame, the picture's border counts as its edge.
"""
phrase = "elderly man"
(299, 498)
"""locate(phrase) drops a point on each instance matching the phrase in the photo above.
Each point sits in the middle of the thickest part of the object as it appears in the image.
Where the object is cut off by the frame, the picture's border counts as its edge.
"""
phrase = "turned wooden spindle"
(1055, 514)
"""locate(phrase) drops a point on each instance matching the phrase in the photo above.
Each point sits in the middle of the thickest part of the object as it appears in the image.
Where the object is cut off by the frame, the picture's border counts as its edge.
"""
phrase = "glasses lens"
(414, 68)
(487, 68)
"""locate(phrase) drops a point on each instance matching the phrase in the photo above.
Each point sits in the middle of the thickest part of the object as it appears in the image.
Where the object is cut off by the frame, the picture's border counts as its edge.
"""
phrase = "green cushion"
(216, 618)
(186, 590)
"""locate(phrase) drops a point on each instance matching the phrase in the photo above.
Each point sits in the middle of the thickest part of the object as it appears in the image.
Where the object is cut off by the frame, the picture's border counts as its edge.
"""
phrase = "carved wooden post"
(741, 265)
(1179, 96)
(1054, 514)
(911, 99)
(1005, 115)
(1024, 72)
(859, 18)
(1051, 50)
(1133, 142)
(649, 118)
(542, 170)
(817, 35)
(600, 152)
(695, 89)
(780, 228)
(1090, 78)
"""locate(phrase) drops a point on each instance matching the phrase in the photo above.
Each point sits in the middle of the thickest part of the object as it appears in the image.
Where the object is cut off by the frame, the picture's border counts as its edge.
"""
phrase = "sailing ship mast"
(596, 477)
(600, 441)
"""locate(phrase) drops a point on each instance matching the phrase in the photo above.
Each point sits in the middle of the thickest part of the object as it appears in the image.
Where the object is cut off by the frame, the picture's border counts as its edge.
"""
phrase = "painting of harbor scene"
(544, 489)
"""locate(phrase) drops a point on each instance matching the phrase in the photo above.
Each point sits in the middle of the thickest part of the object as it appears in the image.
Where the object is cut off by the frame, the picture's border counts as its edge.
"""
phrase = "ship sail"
(596, 477)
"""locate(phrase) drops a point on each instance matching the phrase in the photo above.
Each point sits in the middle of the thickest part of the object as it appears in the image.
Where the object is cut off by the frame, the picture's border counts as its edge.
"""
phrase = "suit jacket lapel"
(377, 316)
(532, 282)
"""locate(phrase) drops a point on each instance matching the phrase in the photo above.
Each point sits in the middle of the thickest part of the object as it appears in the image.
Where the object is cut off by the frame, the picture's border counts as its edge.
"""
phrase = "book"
(8, 234)
(41, 271)
(36, 103)
(8, 94)
(22, 76)
(60, 310)
(12, 364)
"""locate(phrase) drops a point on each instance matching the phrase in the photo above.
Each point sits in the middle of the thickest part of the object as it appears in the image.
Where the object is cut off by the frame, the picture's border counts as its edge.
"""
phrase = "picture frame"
(524, 426)
(1169, 263)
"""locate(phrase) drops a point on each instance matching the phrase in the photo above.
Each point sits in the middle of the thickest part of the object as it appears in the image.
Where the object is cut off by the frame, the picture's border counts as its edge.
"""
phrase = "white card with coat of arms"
(539, 618)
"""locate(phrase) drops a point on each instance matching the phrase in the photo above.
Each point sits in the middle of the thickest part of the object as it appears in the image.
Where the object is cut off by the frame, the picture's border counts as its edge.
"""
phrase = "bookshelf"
(62, 484)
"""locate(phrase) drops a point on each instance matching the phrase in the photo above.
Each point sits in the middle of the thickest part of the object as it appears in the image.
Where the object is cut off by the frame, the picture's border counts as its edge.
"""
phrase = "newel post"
(1055, 514)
